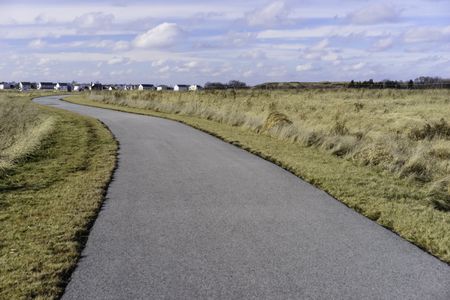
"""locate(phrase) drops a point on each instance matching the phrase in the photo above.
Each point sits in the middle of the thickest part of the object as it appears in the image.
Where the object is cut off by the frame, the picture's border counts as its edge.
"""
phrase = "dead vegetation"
(400, 131)
(22, 128)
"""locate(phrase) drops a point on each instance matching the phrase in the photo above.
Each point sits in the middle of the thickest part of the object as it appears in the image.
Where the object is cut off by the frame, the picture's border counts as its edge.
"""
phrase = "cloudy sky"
(198, 41)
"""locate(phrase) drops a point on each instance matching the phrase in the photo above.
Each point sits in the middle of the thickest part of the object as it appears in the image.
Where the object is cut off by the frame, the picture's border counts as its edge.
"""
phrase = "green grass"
(361, 154)
(48, 201)
(22, 128)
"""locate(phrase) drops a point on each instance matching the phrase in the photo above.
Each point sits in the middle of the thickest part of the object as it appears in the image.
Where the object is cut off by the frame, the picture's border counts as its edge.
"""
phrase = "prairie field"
(385, 153)
(22, 128)
(54, 168)
(400, 131)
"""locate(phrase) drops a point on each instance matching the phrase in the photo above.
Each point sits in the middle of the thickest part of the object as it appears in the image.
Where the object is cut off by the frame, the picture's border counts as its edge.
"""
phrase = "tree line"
(232, 84)
(423, 82)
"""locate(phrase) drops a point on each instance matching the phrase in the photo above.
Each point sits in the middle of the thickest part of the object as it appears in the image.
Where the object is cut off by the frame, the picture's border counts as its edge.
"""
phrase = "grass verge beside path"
(48, 202)
(397, 203)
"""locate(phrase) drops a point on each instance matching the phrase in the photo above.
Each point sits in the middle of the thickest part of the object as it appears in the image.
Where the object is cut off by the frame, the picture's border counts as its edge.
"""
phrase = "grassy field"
(55, 167)
(385, 153)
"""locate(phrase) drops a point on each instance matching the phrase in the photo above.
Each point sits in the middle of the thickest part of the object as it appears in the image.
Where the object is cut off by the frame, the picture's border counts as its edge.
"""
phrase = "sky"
(187, 42)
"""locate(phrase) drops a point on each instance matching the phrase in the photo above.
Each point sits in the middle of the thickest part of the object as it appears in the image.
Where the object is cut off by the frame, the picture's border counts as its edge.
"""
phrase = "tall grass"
(22, 128)
(405, 132)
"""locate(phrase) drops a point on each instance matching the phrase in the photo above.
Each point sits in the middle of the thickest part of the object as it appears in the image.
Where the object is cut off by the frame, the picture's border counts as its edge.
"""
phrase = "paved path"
(191, 217)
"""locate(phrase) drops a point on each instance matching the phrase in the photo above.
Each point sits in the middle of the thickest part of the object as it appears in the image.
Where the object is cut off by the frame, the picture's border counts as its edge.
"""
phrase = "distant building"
(79, 87)
(195, 87)
(181, 87)
(7, 85)
(45, 86)
(121, 87)
(63, 86)
(144, 86)
(96, 86)
(24, 86)
(163, 88)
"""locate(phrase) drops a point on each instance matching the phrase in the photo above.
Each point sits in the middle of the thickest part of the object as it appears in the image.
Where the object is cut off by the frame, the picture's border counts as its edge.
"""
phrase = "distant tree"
(410, 84)
(351, 84)
(236, 84)
(215, 86)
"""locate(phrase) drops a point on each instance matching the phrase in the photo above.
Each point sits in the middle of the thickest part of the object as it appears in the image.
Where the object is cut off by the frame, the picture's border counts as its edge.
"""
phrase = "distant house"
(63, 86)
(163, 88)
(181, 87)
(96, 87)
(121, 87)
(24, 86)
(195, 87)
(79, 87)
(45, 86)
(7, 85)
(144, 86)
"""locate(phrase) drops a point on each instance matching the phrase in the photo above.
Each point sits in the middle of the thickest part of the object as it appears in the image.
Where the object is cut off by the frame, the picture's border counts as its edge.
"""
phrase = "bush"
(429, 131)
(276, 119)
(439, 194)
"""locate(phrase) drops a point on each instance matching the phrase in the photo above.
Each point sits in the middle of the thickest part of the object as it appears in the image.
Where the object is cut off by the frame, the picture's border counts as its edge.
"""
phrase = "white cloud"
(164, 69)
(272, 14)
(373, 14)
(304, 67)
(121, 46)
(330, 56)
(161, 36)
(328, 31)
(118, 60)
(94, 21)
(37, 44)
(427, 34)
(256, 54)
(384, 43)
(239, 38)
(43, 61)
(158, 63)
(191, 64)
(248, 73)
(321, 45)
(358, 66)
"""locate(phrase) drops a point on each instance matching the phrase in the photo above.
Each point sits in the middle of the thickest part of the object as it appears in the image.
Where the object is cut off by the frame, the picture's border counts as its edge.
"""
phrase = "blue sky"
(197, 41)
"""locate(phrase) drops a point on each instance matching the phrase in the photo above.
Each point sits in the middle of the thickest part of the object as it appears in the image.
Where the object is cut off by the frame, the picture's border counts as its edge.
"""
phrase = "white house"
(24, 86)
(163, 88)
(79, 87)
(96, 86)
(181, 87)
(7, 85)
(143, 86)
(45, 86)
(62, 86)
(195, 87)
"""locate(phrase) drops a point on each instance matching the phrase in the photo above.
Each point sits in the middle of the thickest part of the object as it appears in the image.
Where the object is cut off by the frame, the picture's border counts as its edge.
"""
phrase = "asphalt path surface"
(189, 216)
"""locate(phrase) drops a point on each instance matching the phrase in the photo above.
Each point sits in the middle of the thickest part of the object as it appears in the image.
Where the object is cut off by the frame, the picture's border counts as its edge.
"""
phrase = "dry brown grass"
(50, 196)
(405, 132)
(355, 144)
(22, 128)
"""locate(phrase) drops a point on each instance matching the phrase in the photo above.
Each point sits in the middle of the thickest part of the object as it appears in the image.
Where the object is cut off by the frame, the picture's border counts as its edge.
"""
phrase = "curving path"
(188, 216)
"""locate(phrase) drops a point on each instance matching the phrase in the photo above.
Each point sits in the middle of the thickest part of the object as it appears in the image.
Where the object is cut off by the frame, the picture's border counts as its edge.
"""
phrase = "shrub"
(431, 130)
(439, 194)
(276, 119)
